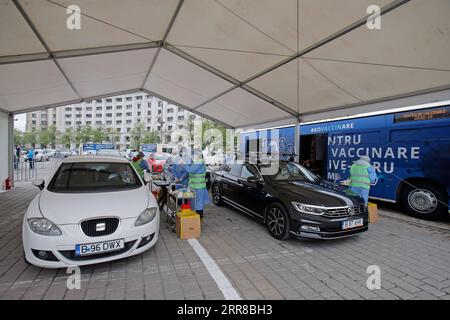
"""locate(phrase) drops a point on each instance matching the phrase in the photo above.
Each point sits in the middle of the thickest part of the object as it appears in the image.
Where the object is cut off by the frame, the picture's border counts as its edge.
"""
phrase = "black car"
(290, 200)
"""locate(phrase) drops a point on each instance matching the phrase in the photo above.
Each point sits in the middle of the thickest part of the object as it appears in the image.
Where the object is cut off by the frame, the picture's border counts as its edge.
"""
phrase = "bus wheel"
(424, 201)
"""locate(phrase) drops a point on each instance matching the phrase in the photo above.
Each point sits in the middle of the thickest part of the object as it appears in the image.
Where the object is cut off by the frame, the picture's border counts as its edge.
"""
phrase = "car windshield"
(293, 171)
(94, 177)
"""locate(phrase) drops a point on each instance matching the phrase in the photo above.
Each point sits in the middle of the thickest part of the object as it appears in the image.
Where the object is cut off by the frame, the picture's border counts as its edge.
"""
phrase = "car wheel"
(424, 201)
(217, 195)
(277, 221)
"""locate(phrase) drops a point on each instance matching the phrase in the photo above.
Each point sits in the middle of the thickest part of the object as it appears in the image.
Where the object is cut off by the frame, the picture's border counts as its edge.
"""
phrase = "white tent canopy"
(241, 62)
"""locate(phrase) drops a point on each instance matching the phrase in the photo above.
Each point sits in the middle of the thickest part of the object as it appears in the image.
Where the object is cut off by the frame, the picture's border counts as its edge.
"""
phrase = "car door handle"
(243, 183)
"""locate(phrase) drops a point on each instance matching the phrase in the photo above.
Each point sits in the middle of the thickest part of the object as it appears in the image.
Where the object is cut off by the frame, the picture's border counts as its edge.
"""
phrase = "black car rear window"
(94, 177)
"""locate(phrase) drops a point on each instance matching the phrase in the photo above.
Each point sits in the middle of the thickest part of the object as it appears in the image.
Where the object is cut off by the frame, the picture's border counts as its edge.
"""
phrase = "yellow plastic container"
(373, 212)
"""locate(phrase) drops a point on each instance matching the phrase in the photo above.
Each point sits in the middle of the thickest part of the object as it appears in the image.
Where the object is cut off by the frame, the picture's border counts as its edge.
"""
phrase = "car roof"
(78, 159)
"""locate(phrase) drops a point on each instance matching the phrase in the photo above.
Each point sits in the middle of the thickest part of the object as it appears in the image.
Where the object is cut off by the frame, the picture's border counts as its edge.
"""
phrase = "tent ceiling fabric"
(32, 84)
(173, 76)
(102, 73)
(240, 62)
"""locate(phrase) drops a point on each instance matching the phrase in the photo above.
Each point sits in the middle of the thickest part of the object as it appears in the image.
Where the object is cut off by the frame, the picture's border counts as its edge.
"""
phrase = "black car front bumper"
(327, 228)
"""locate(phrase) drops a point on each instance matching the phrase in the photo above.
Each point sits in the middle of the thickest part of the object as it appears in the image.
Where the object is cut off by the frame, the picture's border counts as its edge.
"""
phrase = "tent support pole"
(11, 147)
(297, 140)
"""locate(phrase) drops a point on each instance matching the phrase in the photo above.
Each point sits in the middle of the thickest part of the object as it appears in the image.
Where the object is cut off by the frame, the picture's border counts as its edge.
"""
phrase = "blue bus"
(410, 152)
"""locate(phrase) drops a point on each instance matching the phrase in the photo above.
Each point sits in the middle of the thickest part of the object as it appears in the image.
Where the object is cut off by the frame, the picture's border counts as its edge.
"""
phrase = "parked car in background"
(51, 152)
(156, 160)
(63, 153)
(80, 216)
(291, 202)
(41, 155)
(73, 152)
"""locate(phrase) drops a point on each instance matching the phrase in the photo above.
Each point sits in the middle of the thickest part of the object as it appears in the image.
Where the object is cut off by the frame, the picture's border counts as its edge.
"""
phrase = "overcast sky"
(20, 121)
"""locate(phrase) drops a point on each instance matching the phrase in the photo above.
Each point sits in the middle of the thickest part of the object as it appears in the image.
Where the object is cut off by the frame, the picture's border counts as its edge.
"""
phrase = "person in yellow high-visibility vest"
(362, 174)
(197, 181)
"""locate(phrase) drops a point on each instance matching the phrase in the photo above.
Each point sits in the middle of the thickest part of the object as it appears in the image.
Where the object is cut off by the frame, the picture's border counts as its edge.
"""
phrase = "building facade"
(42, 119)
(119, 114)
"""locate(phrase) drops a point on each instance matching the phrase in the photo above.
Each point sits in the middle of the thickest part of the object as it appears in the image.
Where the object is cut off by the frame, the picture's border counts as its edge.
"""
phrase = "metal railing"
(25, 170)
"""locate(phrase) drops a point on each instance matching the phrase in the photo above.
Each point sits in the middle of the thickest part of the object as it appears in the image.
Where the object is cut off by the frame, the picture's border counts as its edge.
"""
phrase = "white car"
(94, 209)
(41, 155)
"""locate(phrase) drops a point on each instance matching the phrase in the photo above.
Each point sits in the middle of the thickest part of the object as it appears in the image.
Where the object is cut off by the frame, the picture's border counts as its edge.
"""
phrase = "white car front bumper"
(63, 247)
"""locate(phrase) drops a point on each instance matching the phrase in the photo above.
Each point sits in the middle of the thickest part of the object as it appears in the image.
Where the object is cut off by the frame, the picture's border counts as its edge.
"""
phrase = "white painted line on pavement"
(228, 291)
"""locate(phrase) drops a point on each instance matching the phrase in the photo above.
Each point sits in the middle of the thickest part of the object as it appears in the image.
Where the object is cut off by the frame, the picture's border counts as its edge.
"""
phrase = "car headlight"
(44, 227)
(145, 217)
(305, 208)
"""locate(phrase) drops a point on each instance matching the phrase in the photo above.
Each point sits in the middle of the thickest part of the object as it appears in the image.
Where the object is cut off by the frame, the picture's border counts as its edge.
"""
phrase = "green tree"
(190, 129)
(211, 125)
(30, 137)
(150, 137)
(44, 138)
(98, 135)
(112, 135)
(137, 135)
(67, 137)
(83, 135)
(18, 137)
(52, 135)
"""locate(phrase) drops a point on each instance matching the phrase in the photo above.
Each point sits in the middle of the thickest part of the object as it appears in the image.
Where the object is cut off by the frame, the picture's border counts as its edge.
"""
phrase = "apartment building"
(42, 119)
(118, 113)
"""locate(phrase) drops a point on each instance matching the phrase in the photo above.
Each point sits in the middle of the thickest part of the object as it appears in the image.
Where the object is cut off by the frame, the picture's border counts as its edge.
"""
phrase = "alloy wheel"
(216, 194)
(276, 221)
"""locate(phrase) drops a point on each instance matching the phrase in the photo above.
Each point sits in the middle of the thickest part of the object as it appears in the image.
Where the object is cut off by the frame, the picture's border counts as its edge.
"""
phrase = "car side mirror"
(40, 183)
(147, 177)
(253, 179)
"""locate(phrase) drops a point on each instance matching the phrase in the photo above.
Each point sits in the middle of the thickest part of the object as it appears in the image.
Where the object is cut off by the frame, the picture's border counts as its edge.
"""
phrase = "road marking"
(228, 291)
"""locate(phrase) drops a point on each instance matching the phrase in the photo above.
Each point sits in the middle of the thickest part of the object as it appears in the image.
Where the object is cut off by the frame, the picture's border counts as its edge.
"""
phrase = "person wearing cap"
(140, 164)
(362, 174)
(197, 182)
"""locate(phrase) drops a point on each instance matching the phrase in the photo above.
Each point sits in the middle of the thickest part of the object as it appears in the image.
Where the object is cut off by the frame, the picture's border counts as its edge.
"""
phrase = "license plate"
(349, 224)
(99, 247)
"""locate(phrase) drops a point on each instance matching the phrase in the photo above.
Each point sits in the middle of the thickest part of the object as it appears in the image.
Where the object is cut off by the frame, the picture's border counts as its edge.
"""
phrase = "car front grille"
(340, 212)
(91, 227)
(70, 254)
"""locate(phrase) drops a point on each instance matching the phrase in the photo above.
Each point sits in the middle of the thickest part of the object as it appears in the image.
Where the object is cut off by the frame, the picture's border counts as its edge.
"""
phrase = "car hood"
(71, 208)
(313, 194)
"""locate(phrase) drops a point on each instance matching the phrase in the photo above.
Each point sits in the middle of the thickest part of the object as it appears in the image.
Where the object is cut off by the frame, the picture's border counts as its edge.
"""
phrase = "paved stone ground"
(414, 257)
